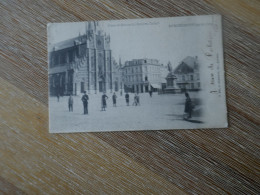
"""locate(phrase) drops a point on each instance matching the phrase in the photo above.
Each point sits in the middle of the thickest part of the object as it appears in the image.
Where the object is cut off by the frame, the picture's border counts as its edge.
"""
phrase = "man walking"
(58, 97)
(151, 93)
(70, 103)
(104, 102)
(135, 100)
(138, 99)
(127, 98)
(85, 102)
(114, 99)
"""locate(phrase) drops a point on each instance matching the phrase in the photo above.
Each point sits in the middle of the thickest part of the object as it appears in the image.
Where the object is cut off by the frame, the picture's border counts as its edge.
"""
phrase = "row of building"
(85, 63)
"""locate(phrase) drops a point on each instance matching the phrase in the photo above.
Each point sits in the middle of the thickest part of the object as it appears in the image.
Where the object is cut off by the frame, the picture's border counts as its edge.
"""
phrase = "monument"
(171, 86)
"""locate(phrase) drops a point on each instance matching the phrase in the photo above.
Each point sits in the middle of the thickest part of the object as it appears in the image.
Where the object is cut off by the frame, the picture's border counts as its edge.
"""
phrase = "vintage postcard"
(138, 74)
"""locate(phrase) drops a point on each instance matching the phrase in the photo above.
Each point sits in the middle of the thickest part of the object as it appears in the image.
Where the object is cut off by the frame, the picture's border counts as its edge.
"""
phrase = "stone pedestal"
(171, 86)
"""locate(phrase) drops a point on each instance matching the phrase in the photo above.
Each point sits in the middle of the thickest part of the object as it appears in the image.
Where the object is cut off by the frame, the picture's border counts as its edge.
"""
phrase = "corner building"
(188, 74)
(83, 63)
(142, 75)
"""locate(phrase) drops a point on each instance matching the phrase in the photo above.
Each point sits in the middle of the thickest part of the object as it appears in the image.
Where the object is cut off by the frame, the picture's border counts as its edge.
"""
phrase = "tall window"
(70, 56)
(52, 61)
(56, 59)
(63, 58)
(82, 87)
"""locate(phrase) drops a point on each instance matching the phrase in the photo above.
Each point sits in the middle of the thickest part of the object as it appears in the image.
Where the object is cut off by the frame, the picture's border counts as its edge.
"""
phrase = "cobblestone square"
(154, 113)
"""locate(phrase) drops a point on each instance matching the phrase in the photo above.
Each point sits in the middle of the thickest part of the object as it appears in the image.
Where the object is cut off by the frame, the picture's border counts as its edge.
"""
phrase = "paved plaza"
(156, 112)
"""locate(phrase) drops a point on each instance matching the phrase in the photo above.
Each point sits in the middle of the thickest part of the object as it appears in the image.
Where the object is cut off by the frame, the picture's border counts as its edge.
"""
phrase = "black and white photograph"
(137, 74)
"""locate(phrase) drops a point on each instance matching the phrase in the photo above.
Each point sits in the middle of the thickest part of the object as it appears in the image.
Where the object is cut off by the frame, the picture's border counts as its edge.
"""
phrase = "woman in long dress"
(188, 105)
(104, 102)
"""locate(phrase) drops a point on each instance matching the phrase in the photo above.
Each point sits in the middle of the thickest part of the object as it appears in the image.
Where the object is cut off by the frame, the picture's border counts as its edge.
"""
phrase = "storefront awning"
(156, 86)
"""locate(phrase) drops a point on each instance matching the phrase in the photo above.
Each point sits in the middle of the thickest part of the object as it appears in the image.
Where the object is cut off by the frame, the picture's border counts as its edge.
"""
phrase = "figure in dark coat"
(114, 99)
(70, 103)
(127, 98)
(85, 102)
(104, 102)
(188, 105)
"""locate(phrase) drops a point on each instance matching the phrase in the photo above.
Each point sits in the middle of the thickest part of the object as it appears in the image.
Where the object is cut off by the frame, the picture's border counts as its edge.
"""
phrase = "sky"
(160, 39)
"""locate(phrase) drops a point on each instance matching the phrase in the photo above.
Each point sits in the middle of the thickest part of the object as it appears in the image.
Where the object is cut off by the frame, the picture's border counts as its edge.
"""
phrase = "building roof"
(68, 43)
(188, 65)
(141, 62)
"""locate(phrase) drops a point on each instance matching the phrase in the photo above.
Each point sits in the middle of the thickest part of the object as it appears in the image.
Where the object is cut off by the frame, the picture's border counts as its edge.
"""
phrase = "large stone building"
(142, 75)
(83, 63)
(188, 75)
(118, 76)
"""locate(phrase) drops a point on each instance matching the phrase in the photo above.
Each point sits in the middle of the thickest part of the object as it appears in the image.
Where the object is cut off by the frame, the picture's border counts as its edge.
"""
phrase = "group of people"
(104, 98)
(136, 101)
(104, 101)
(114, 97)
(187, 109)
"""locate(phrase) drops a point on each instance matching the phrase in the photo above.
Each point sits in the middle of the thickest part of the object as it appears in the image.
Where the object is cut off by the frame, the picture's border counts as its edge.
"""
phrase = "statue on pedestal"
(171, 86)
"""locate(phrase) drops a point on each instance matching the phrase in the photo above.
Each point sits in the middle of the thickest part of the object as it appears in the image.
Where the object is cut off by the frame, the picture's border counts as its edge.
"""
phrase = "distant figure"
(58, 97)
(121, 93)
(138, 99)
(104, 102)
(114, 99)
(151, 93)
(135, 100)
(188, 105)
(127, 98)
(70, 103)
(85, 102)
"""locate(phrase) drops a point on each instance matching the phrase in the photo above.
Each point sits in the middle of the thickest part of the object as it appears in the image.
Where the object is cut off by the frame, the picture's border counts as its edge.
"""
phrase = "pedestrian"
(104, 102)
(85, 102)
(121, 93)
(151, 93)
(127, 98)
(58, 96)
(70, 103)
(114, 99)
(138, 99)
(135, 100)
(188, 105)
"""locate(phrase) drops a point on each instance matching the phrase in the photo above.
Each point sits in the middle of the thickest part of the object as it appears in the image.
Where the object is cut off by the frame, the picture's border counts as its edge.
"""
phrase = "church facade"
(83, 63)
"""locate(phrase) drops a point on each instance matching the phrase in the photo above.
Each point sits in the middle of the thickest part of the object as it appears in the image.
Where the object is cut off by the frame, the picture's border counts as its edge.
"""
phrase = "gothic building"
(83, 63)
(118, 76)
